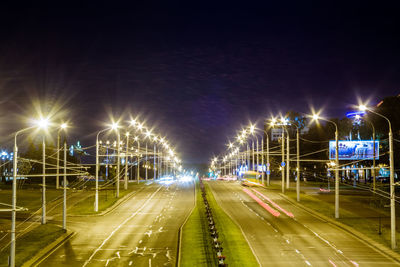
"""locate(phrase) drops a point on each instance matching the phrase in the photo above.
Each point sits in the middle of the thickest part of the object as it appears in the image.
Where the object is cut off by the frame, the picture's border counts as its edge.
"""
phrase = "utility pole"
(44, 181)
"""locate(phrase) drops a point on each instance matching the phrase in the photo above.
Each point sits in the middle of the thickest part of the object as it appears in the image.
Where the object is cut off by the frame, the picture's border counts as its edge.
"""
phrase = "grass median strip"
(196, 247)
(236, 248)
(197, 243)
(31, 243)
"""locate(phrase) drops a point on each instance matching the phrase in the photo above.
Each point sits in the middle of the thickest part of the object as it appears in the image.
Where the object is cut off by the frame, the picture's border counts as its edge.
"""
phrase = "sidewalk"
(360, 211)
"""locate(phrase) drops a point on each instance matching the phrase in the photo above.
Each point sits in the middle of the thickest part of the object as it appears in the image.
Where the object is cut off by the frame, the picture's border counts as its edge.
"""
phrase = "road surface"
(143, 231)
(301, 240)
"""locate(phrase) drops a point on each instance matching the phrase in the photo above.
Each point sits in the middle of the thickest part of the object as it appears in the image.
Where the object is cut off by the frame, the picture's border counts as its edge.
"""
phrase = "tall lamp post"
(63, 127)
(138, 159)
(316, 117)
(42, 124)
(126, 161)
(114, 126)
(392, 193)
(154, 158)
(14, 197)
(44, 180)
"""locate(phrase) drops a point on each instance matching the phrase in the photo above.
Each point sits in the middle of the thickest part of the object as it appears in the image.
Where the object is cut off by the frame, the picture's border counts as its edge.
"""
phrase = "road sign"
(268, 172)
(283, 164)
(268, 164)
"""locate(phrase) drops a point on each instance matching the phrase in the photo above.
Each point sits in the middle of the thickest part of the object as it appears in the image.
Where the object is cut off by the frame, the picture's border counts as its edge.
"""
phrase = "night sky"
(196, 72)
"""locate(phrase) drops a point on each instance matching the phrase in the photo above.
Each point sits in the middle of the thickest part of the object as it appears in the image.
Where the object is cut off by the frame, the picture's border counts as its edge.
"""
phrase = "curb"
(360, 236)
(178, 256)
(48, 250)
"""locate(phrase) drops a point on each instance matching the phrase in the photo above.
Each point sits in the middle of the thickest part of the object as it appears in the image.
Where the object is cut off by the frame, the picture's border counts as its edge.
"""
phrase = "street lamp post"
(14, 197)
(138, 160)
(262, 161)
(268, 163)
(118, 162)
(154, 160)
(316, 117)
(126, 162)
(298, 163)
(65, 187)
(44, 180)
(114, 126)
(283, 161)
(146, 162)
(287, 158)
(96, 195)
(58, 160)
(252, 151)
(392, 192)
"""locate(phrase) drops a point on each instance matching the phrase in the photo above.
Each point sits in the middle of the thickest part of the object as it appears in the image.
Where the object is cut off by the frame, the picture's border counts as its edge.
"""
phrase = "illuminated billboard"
(354, 150)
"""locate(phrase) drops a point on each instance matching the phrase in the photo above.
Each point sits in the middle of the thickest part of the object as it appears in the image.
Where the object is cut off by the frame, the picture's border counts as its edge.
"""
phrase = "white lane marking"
(140, 241)
(168, 255)
(333, 264)
(150, 262)
(119, 226)
(354, 263)
(130, 263)
(118, 255)
(276, 230)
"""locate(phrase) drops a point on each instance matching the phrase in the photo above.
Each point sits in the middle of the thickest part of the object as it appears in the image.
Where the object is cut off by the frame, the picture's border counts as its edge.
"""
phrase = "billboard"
(276, 134)
(354, 150)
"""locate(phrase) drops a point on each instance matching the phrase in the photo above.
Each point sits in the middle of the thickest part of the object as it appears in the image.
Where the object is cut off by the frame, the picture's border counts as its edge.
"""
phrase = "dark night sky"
(196, 72)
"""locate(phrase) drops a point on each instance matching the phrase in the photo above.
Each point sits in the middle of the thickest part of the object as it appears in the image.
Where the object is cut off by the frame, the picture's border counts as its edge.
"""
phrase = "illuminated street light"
(113, 126)
(392, 189)
(43, 123)
(316, 117)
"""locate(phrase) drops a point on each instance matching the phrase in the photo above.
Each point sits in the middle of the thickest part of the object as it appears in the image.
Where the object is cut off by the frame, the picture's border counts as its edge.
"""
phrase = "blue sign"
(354, 150)
(268, 172)
(283, 164)
(353, 114)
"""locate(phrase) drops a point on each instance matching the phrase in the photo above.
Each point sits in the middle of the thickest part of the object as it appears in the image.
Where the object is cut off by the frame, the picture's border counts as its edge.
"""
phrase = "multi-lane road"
(142, 231)
(294, 237)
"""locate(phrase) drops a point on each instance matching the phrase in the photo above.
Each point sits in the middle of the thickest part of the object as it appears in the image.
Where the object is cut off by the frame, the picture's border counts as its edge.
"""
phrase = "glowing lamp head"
(315, 117)
(43, 123)
(140, 126)
(148, 134)
(273, 121)
(133, 122)
(136, 138)
(362, 107)
(252, 128)
(357, 117)
(63, 126)
(114, 126)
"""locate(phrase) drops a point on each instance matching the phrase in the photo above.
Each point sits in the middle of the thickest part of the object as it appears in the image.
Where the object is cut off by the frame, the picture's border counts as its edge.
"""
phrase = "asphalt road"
(142, 231)
(301, 240)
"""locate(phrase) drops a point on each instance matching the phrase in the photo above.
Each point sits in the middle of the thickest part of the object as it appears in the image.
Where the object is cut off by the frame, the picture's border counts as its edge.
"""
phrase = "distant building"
(276, 134)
